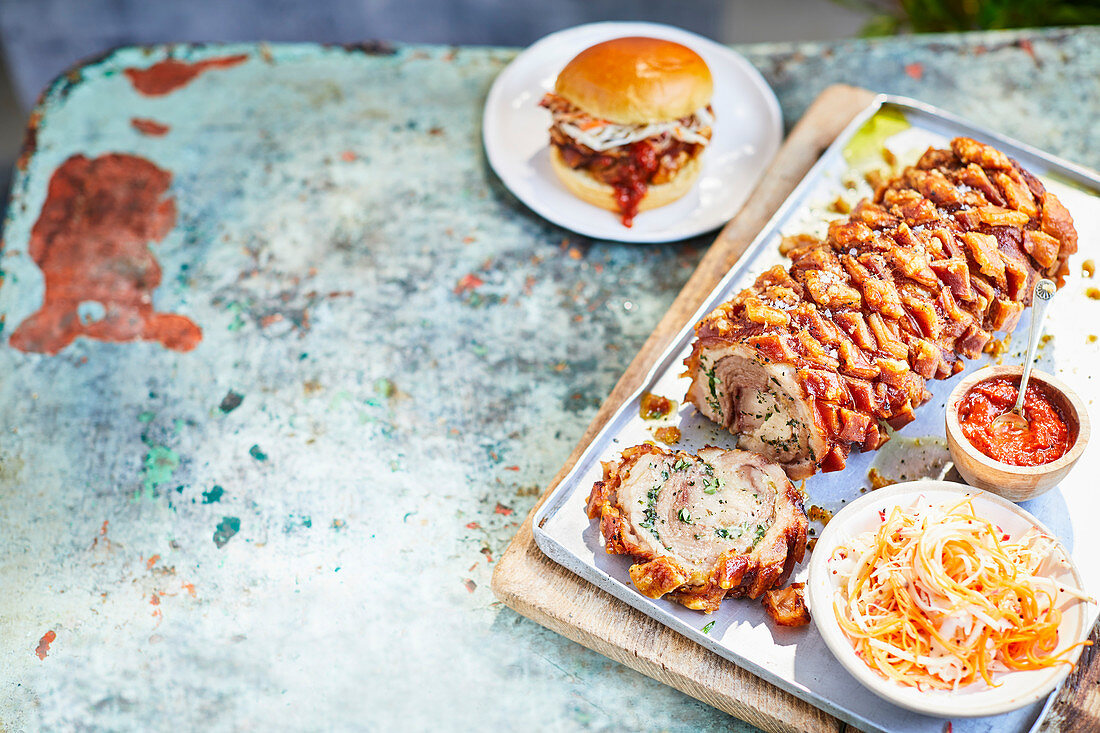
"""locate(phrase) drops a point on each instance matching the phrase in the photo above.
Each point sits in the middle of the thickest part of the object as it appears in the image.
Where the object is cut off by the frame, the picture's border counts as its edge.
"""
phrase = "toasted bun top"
(637, 80)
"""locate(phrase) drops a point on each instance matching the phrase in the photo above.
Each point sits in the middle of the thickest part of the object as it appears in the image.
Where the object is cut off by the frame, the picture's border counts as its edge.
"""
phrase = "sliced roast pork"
(723, 523)
(818, 358)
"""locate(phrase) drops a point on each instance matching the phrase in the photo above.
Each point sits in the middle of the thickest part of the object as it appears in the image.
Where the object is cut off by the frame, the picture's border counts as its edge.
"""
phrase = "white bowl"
(1016, 689)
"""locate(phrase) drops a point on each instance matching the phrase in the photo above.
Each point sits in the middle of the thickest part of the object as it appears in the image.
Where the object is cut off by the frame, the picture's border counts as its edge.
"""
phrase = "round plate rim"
(610, 29)
(968, 706)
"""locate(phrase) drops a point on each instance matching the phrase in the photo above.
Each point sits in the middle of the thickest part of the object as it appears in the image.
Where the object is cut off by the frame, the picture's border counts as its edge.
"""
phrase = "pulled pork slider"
(630, 119)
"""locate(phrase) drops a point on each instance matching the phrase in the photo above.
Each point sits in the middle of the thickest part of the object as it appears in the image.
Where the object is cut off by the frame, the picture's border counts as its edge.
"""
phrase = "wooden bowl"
(1016, 483)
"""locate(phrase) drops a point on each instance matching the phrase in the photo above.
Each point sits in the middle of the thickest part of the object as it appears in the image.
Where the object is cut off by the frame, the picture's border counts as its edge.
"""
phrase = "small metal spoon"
(1015, 420)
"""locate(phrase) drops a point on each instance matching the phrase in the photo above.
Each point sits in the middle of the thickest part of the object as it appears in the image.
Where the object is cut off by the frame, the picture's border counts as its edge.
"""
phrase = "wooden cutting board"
(533, 585)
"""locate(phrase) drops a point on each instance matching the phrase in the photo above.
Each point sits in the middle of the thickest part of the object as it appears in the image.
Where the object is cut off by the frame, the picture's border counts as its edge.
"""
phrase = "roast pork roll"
(723, 523)
(815, 359)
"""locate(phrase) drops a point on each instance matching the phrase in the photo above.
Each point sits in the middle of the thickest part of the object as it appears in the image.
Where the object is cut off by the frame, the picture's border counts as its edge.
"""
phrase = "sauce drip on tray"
(654, 406)
(1046, 439)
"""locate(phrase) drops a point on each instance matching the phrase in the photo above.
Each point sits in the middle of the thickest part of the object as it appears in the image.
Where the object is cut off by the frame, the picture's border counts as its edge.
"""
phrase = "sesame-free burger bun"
(588, 189)
(637, 80)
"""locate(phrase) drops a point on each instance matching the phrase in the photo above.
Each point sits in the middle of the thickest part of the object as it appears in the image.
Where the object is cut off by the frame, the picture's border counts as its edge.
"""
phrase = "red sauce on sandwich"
(632, 180)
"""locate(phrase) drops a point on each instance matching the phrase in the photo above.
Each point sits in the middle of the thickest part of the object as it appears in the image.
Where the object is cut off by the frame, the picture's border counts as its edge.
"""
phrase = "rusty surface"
(279, 382)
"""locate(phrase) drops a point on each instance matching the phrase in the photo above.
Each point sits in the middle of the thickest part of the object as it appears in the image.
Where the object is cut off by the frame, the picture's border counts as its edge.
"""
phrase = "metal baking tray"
(797, 659)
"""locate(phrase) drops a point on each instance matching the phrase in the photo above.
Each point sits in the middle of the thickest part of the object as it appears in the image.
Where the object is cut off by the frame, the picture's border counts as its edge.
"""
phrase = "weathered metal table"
(284, 367)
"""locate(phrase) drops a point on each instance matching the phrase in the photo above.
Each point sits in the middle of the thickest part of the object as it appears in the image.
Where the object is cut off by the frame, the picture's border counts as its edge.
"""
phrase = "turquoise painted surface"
(296, 521)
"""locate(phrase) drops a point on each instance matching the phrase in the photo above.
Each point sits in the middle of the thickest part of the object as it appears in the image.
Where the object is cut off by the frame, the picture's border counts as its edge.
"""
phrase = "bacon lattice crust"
(813, 359)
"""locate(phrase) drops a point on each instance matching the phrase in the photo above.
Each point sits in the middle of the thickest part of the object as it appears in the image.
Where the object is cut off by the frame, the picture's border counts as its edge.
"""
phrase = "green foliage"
(938, 16)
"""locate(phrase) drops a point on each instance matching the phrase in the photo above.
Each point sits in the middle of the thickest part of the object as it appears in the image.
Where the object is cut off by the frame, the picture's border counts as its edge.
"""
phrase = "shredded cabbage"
(938, 598)
(601, 135)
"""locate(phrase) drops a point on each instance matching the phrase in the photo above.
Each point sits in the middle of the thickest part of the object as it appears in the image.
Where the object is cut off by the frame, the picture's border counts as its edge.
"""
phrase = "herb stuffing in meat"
(701, 528)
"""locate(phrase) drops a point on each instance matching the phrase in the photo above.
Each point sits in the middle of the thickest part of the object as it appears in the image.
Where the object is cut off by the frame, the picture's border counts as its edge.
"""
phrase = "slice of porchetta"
(760, 400)
(722, 523)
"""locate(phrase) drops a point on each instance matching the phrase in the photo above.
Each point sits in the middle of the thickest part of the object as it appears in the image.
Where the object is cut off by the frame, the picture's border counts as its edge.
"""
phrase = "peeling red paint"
(165, 77)
(190, 588)
(102, 536)
(151, 562)
(511, 468)
(501, 509)
(473, 525)
(91, 242)
(470, 585)
(487, 553)
(1026, 46)
(44, 643)
(915, 71)
(348, 156)
(30, 141)
(149, 127)
(468, 282)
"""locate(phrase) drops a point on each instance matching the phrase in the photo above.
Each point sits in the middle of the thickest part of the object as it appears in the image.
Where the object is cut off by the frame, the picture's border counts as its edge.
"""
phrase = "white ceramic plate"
(747, 134)
(1016, 689)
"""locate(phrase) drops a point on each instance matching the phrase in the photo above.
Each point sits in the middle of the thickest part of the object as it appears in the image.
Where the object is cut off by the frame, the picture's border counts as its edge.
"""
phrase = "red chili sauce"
(1046, 440)
(632, 181)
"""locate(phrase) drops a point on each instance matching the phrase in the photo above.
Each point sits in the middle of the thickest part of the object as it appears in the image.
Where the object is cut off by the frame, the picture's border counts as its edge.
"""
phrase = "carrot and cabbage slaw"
(939, 598)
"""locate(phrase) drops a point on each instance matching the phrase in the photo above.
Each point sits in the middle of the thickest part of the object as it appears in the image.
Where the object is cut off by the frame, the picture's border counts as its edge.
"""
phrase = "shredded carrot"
(939, 598)
(592, 123)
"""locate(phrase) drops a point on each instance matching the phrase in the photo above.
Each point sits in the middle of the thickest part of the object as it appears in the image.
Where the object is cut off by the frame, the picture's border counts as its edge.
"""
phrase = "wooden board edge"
(1076, 706)
(524, 578)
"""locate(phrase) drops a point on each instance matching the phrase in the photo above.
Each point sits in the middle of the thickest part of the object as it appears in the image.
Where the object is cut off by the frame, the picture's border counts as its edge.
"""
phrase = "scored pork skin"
(723, 523)
(830, 350)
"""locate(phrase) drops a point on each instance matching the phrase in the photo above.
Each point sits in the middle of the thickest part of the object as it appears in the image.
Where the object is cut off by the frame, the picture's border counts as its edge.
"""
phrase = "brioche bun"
(635, 80)
(588, 189)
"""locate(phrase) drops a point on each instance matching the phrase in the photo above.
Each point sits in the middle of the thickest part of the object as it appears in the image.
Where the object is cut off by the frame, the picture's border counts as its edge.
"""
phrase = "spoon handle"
(1044, 291)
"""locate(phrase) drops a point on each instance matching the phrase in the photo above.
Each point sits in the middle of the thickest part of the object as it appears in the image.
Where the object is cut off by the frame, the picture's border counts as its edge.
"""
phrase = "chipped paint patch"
(44, 644)
(165, 77)
(228, 527)
(213, 496)
(230, 402)
(91, 241)
(161, 463)
(256, 453)
(149, 127)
